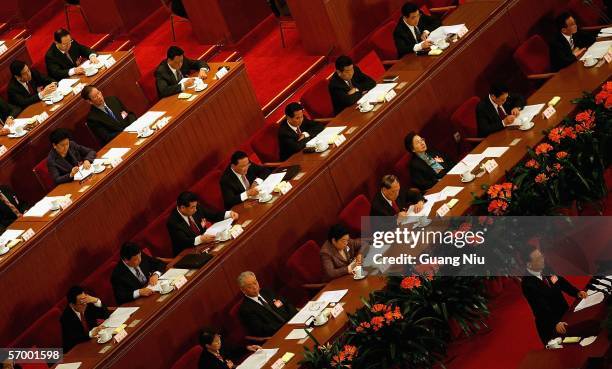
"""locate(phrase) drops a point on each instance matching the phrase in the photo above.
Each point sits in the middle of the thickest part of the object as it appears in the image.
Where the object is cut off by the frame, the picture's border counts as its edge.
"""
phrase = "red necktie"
(29, 87)
(395, 207)
(501, 112)
(84, 323)
(546, 282)
(194, 226)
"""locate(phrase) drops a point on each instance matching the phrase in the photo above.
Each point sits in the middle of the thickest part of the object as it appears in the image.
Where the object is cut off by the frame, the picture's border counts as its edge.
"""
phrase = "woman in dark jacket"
(426, 166)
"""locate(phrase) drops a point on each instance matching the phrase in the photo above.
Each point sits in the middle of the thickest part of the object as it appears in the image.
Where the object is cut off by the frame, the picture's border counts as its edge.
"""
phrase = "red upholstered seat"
(351, 215)
(400, 169)
(382, 41)
(209, 191)
(316, 100)
(234, 331)
(42, 174)
(155, 236)
(190, 359)
(34, 366)
(265, 143)
(44, 332)
(372, 65)
(304, 265)
(533, 56)
(98, 283)
(464, 121)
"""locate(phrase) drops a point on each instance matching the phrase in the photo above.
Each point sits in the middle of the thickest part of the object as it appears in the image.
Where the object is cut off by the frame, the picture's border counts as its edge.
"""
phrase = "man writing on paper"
(135, 274)
(7, 113)
(497, 110)
(390, 202)
(62, 58)
(262, 312)
(171, 71)
(295, 131)
(569, 43)
(67, 156)
(187, 223)
(410, 34)
(28, 86)
(348, 84)
(339, 254)
(108, 116)
(80, 318)
(545, 297)
(241, 179)
(426, 166)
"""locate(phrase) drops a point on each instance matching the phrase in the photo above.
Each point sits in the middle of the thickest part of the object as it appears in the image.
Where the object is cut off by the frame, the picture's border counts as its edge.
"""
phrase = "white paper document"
(146, 119)
(527, 114)
(258, 359)
(83, 173)
(298, 334)
(312, 309)
(450, 191)
(42, 207)
(607, 30)
(174, 273)
(468, 163)
(19, 122)
(414, 217)
(591, 300)
(115, 152)
(494, 152)
(76, 365)
(597, 50)
(219, 227)
(267, 186)
(377, 94)
(119, 316)
(9, 235)
(441, 32)
(66, 83)
(101, 60)
(332, 296)
(326, 135)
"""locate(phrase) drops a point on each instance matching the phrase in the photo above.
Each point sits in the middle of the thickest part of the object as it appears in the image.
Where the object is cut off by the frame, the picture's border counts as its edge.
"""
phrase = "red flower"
(378, 308)
(377, 322)
(586, 119)
(411, 282)
(602, 97)
(532, 164)
(556, 134)
(558, 167)
(543, 148)
(497, 207)
(569, 132)
(482, 220)
(561, 155)
(541, 178)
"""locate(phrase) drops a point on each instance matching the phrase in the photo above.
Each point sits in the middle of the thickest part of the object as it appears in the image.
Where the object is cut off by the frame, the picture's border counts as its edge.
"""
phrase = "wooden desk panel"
(24, 153)
(116, 16)
(16, 51)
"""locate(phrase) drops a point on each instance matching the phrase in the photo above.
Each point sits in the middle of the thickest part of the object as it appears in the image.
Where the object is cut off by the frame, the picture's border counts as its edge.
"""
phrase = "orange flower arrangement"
(532, 164)
(497, 207)
(541, 178)
(345, 357)
(410, 282)
(543, 148)
(562, 155)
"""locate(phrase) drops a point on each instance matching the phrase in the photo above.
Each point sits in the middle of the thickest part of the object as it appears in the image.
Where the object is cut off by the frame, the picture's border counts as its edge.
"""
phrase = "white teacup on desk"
(321, 319)
(358, 272)
(165, 286)
(104, 336)
(589, 61)
(264, 196)
(321, 146)
(467, 176)
(145, 131)
(19, 130)
(55, 204)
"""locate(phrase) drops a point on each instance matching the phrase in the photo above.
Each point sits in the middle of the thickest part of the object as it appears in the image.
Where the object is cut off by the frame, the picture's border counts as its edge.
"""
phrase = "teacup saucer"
(15, 135)
(101, 170)
(359, 278)
(91, 72)
(266, 200)
(527, 127)
(319, 325)
(4, 250)
(140, 135)
(102, 342)
(589, 65)
(167, 292)
(466, 180)
(319, 151)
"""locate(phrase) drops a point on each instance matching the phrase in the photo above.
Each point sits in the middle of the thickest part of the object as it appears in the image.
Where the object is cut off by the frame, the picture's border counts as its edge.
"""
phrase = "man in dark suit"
(81, 318)
(173, 69)
(498, 110)
(295, 131)
(10, 207)
(262, 312)
(348, 84)
(135, 274)
(189, 221)
(391, 202)
(67, 156)
(241, 179)
(568, 43)
(62, 58)
(410, 34)
(28, 86)
(339, 254)
(544, 295)
(7, 113)
(426, 166)
(108, 116)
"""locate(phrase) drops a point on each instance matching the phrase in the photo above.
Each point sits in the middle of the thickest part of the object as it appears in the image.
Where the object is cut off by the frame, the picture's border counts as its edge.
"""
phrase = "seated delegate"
(295, 131)
(67, 156)
(241, 179)
(427, 166)
(339, 254)
(64, 56)
(348, 84)
(171, 71)
(498, 110)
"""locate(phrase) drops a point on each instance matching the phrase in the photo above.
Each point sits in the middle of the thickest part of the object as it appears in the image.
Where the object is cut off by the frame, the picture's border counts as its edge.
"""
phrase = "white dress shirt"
(570, 40)
(40, 95)
(199, 239)
(71, 71)
(244, 196)
(136, 293)
(535, 274)
(419, 44)
(295, 129)
(96, 304)
(385, 197)
(496, 106)
(174, 72)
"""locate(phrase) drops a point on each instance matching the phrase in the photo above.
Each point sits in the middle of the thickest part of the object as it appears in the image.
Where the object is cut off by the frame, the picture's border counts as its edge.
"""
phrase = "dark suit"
(547, 303)
(124, 282)
(489, 120)
(8, 110)
(60, 168)
(72, 328)
(105, 127)
(338, 89)
(288, 143)
(403, 37)
(332, 262)
(210, 361)
(166, 82)
(259, 320)
(20, 96)
(231, 186)
(561, 54)
(6, 214)
(380, 206)
(422, 174)
(181, 234)
(58, 64)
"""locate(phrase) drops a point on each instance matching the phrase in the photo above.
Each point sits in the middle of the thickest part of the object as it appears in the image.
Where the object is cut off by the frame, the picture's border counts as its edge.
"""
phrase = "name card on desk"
(41, 117)
(443, 210)
(549, 112)
(236, 230)
(490, 165)
(3, 48)
(278, 364)
(27, 234)
(109, 62)
(120, 335)
(180, 282)
(2, 149)
(339, 140)
(78, 88)
(221, 72)
(337, 310)
(390, 95)
(114, 162)
(608, 56)
(64, 202)
(462, 31)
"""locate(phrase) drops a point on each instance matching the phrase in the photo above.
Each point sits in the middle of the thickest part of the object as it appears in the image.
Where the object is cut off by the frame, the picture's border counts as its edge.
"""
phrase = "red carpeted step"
(118, 45)
(15, 33)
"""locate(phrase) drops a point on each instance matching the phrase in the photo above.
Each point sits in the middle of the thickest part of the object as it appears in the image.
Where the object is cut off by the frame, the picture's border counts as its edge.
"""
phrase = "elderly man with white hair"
(262, 312)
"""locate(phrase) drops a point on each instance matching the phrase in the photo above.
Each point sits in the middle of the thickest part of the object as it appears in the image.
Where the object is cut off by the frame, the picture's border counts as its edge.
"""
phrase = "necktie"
(298, 131)
(10, 205)
(395, 207)
(270, 309)
(109, 112)
(417, 34)
(546, 282)
(193, 226)
(84, 322)
(571, 42)
(28, 87)
(141, 277)
(245, 182)
(179, 76)
(69, 58)
(501, 113)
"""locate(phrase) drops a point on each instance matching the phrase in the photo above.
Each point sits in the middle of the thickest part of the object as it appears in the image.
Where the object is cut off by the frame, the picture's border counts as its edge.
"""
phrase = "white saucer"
(530, 126)
(4, 250)
(100, 171)
(367, 110)
(103, 342)
(270, 199)
(467, 181)
(48, 102)
(165, 293)
(147, 135)
(319, 325)
(320, 151)
(592, 64)
(15, 135)
(95, 71)
(358, 279)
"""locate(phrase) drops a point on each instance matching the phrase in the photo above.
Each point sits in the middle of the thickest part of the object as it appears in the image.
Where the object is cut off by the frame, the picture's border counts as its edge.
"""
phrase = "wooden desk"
(214, 21)
(24, 153)
(203, 131)
(16, 50)
(116, 16)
